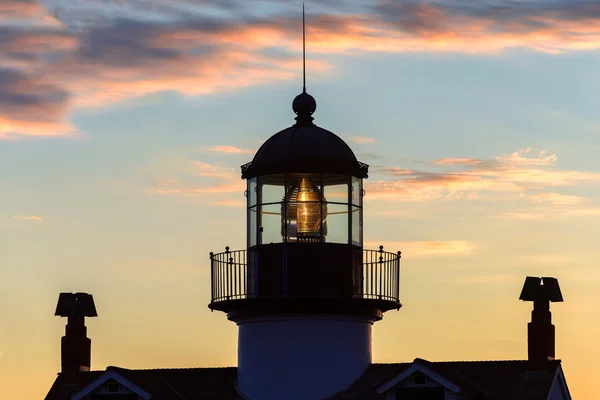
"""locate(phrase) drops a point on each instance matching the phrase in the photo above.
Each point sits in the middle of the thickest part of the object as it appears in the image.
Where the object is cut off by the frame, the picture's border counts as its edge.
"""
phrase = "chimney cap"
(76, 305)
(536, 286)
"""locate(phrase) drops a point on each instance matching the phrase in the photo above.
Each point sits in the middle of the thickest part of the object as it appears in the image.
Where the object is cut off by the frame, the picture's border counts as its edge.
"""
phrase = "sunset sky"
(123, 124)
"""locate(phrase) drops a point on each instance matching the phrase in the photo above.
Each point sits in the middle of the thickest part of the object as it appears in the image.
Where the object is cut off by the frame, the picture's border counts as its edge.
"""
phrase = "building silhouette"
(305, 295)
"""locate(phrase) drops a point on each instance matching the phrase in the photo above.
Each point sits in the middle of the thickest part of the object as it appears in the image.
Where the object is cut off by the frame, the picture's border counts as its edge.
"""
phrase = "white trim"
(111, 374)
(420, 368)
(561, 381)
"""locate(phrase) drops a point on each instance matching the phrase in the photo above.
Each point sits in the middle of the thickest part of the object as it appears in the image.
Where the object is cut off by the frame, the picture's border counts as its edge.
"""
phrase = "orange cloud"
(229, 150)
(204, 180)
(27, 217)
(425, 248)
(214, 171)
(362, 139)
(550, 213)
(231, 203)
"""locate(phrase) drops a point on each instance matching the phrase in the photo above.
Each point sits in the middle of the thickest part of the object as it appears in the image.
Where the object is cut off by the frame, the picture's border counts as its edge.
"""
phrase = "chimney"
(540, 331)
(76, 347)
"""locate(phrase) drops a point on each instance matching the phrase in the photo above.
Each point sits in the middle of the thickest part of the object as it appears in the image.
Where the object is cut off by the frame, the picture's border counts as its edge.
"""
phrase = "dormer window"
(113, 387)
(419, 379)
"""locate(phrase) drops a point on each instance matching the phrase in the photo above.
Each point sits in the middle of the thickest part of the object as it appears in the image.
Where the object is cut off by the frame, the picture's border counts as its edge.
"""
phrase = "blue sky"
(123, 126)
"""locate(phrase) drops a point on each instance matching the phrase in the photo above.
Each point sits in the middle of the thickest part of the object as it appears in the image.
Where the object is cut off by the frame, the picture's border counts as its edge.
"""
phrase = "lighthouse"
(304, 293)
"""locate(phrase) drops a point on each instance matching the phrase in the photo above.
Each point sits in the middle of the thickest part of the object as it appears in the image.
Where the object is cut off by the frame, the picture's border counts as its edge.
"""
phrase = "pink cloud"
(362, 139)
(27, 217)
(229, 150)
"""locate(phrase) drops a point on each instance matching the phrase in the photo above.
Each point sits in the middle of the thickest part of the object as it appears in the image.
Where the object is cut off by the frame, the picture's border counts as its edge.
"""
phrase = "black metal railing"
(229, 275)
(381, 275)
(233, 276)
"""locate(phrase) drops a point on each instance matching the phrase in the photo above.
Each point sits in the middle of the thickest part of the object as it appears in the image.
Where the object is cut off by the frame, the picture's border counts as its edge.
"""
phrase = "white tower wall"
(301, 357)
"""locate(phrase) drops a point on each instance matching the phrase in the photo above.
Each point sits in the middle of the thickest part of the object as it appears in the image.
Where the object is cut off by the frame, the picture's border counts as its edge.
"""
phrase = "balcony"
(305, 272)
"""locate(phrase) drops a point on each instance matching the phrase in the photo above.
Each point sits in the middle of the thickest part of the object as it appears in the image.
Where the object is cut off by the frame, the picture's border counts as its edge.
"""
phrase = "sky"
(123, 124)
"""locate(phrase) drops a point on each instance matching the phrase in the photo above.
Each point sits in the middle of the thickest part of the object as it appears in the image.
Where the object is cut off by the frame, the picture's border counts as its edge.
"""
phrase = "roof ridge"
(454, 361)
(165, 369)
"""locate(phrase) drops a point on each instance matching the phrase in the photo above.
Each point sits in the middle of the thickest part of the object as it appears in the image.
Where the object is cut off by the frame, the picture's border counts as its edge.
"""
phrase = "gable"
(113, 383)
(408, 378)
(559, 389)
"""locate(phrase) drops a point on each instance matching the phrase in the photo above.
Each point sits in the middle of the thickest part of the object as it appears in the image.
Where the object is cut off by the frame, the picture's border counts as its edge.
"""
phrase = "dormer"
(422, 380)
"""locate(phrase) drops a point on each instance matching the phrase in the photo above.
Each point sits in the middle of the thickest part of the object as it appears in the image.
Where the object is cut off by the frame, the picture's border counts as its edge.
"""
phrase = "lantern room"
(304, 185)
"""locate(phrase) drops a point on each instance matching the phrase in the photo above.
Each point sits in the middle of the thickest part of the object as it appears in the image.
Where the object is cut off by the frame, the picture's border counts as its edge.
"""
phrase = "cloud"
(231, 203)
(549, 213)
(520, 158)
(530, 177)
(204, 181)
(20, 9)
(421, 248)
(362, 139)
(229, 150)
(31, 105)
(96, 53)
(555, 199)
(27, 217)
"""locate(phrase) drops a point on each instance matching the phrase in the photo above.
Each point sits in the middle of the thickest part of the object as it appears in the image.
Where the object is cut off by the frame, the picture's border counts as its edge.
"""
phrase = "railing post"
(398, 276)
(227, 252)
(212, 279)
(230, 279)
(380, 270)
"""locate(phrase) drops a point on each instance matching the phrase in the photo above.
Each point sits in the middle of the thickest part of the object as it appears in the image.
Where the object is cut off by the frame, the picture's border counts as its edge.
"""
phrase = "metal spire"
(303, 51)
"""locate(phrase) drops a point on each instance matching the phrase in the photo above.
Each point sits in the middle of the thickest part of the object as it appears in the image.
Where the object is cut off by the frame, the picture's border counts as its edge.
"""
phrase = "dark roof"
(63, 388)
(304, 148)
(163, 384)
(506, 380)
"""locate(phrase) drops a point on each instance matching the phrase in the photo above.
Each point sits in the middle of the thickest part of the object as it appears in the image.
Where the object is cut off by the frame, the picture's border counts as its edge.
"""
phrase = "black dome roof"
(304, 147)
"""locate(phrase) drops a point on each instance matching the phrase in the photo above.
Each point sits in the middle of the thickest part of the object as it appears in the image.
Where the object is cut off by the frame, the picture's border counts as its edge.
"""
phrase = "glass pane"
(357, 226)
(335, 188)
(356, 191)
(270, 224)
(335, 224)
(272, 188)
(252, 228)
(252, 192)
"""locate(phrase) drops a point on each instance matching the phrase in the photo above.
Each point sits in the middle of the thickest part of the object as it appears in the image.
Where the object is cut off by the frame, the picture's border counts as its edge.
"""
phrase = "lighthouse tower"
(304, 294)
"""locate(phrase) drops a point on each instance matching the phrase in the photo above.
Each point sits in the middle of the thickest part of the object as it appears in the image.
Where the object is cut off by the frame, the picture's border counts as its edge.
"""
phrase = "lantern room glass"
(299, 207)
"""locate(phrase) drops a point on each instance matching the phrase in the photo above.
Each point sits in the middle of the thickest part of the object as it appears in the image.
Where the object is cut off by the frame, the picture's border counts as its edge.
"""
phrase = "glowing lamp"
(306, 211)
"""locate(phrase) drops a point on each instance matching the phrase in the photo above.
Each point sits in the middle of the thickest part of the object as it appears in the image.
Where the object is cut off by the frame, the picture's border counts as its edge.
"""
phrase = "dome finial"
(304, 105)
